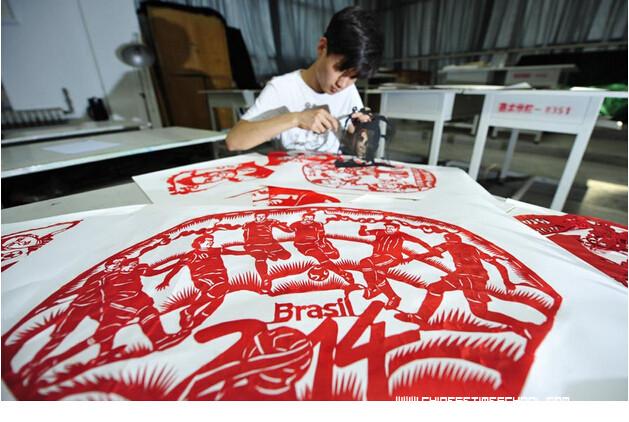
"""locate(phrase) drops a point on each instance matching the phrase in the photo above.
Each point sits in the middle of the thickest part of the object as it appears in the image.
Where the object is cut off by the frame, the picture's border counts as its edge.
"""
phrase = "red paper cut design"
(396, 179)
(600, 243)
(279, 196)
(277, 158)
(320, 169)
(18, 244)
(198, 180)
(330, 303)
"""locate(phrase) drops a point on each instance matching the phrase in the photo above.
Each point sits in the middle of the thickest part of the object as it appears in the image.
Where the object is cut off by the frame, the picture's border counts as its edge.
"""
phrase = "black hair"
(354, 34)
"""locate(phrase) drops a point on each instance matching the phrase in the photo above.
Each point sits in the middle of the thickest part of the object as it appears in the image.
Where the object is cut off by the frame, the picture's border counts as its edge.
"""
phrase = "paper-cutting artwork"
(20, 244)
(321, 170)
(600, 243)
(279, 196)
(229, 181)
(205, 183)
(190, 181)
(277, 158)
(370, 179)
(313, 303)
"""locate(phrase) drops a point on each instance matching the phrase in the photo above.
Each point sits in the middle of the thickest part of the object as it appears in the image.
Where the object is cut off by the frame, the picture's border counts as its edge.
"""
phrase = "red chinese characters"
(527, 108)
(515, 108)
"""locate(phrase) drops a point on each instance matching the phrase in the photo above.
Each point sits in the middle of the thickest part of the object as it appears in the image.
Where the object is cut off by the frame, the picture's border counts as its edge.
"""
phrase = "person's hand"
(364, 118)
(318, 120)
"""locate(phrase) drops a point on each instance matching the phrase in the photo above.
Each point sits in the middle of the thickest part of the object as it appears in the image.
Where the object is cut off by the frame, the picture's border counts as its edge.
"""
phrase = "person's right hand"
(318, 120)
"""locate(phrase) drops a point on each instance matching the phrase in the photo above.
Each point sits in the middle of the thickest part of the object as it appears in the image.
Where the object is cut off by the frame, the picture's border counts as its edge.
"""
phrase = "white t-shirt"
(289, 93)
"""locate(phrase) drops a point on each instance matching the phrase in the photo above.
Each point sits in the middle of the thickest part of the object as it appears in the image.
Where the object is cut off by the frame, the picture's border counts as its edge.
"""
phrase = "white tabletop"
(36, 157)
(227, 91)
(17, 136)
(115, 196)
(505, 68)
(424, 89)
(550, 92)
(468, 89)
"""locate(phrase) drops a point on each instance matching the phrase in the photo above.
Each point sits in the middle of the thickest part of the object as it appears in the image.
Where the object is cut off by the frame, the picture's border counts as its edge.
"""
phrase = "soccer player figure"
(114, 298)
(387, 253)
(209, 276)
(251, 170)
(197, 180)
(310, 240)
(393, 180)
(337, 178)
(469, 276)
(16, 245)
(603, 236)
(260, 244)
(192, 181)
(30, 242)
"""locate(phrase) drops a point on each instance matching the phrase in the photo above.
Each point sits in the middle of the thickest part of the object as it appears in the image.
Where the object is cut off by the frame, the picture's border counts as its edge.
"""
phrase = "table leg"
(474, 124)
(234, 116)
(435, 143)
(513, 139)
(570, 171)
(212, 117)
(576, 155)
(481, 137)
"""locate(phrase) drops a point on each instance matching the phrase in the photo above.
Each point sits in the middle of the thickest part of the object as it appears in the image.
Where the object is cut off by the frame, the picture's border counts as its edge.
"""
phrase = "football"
(318, 273)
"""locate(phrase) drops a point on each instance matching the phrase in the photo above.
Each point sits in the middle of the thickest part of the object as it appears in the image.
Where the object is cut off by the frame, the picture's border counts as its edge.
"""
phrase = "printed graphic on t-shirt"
(308, 140)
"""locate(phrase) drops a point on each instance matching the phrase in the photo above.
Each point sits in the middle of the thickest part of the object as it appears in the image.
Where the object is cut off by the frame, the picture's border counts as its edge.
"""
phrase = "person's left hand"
(364, 118)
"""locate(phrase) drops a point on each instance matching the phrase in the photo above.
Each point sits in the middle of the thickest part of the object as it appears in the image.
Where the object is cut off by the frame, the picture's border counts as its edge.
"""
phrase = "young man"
(302, 108)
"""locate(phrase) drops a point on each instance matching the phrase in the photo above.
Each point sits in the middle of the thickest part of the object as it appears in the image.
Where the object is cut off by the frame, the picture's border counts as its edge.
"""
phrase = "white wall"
(71, 43)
